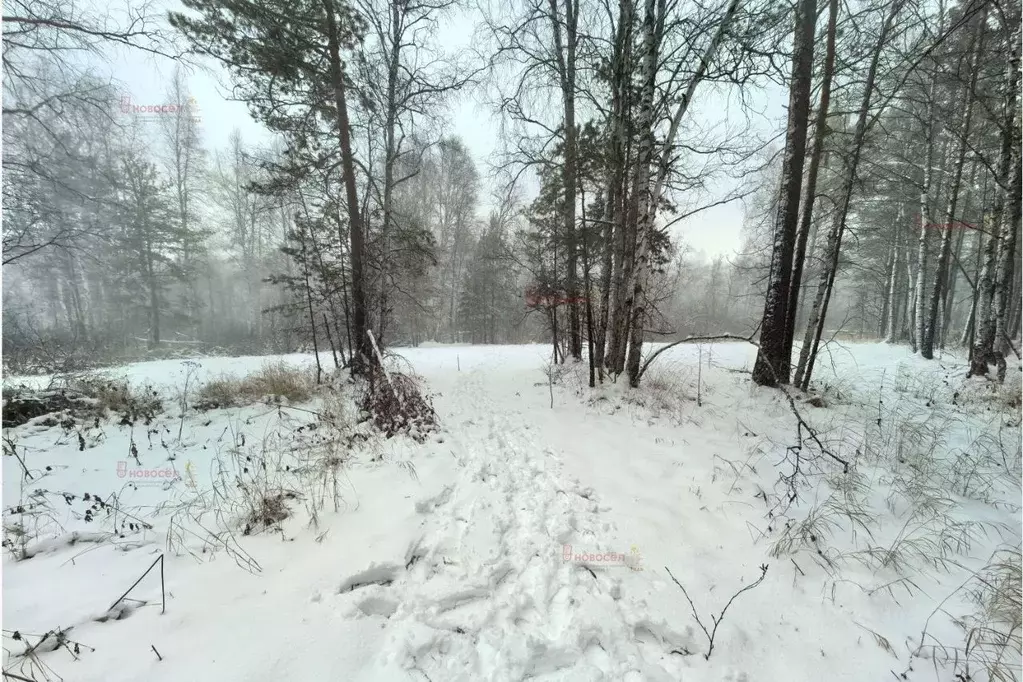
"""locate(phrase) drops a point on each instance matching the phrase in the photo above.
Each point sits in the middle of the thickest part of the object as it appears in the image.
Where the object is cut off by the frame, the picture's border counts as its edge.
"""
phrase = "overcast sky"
(145, 79)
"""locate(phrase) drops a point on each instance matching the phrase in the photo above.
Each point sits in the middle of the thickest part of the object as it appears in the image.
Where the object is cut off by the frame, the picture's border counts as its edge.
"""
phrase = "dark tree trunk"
(774, 357)
(810, 193)
(363, 358)
(941, 269)
(565, 53)
(826, 281)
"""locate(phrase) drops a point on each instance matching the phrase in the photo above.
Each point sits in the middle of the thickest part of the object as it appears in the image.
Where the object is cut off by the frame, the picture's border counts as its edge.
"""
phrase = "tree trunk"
(363, 358)
(586, 288)
(819, 311)
(650, 197)
(950, 289)
(565, 55)
(895, 282)
(154, 299)
(810, 194)
(941, 269)
(995, 278)
(1006, 261)
(920, 288)
(775, 353)
(625, 248)
(390, 156)
(614, 228)
(644, 209)
(890, 266)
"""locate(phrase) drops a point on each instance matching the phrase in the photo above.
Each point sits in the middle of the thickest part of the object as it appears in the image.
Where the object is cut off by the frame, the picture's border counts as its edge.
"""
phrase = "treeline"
(890, 206)
(125, 235)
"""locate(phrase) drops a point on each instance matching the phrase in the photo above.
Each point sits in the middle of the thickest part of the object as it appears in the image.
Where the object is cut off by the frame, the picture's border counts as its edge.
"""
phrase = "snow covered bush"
(84, 397)
(396, 404)
(131, 402)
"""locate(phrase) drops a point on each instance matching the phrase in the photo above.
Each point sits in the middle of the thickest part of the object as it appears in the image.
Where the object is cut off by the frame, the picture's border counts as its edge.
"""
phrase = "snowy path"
(487, 593)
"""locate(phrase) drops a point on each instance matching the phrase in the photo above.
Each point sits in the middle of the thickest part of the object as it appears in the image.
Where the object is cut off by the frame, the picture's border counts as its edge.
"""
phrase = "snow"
(532, 542)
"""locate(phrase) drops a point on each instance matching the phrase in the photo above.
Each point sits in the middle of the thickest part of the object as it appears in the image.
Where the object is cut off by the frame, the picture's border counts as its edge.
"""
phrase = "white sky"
(146, 79)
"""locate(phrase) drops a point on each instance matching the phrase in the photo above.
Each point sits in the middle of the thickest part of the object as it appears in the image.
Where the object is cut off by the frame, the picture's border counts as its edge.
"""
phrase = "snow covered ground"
(531, 541)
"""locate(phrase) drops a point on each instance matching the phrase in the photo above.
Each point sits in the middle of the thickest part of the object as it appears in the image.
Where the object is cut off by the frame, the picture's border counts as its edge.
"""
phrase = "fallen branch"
(802, 423)
(690, 339)
(810, 430)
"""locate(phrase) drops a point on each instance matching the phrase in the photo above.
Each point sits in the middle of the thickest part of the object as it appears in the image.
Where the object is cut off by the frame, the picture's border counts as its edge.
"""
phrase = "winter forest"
(722, 284)
(886, 208)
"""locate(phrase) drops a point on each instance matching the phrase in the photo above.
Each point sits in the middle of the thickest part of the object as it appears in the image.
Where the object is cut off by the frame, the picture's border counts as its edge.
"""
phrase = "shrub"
(994, 637)
(396, 404)
(267, 509)
(85, 396)
(120, 397)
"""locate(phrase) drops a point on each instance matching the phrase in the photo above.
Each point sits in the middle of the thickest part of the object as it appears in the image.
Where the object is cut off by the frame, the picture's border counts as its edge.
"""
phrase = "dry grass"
(274, 381)
(670, 390)
(994, 639)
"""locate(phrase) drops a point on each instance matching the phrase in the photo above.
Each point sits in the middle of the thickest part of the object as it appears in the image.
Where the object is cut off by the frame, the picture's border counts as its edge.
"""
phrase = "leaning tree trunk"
(810, 193)
(652, 196)
(826, 282)
(774, 357)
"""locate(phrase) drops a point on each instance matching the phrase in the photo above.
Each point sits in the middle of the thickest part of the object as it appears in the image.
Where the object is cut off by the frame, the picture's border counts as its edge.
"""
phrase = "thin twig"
(690, 339)
(159, 560)
(720, 617)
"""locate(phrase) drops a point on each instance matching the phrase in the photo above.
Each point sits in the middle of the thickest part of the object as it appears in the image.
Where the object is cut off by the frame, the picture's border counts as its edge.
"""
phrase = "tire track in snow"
(485, 592)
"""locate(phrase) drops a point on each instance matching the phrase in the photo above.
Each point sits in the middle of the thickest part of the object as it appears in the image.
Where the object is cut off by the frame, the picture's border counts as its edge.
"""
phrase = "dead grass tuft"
(273, 382)
(267, 510)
